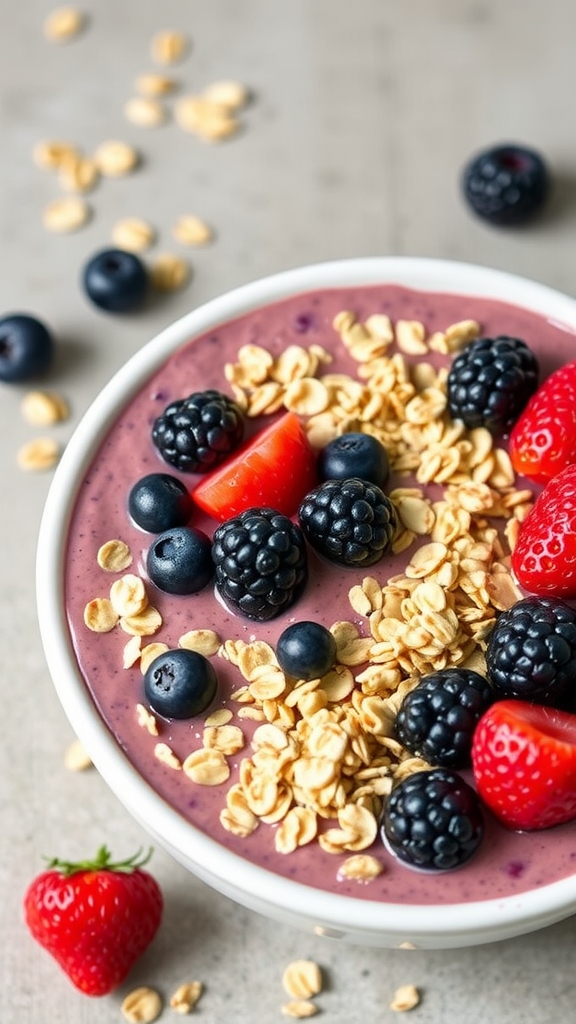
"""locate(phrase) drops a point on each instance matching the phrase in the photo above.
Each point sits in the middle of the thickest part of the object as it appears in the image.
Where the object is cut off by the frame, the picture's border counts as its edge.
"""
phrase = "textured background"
(362, 117)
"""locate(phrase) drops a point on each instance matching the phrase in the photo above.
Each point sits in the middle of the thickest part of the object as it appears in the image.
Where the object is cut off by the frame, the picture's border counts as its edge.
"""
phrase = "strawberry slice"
(543, 440)
(524, 761)
(544, 558)
(273, 470)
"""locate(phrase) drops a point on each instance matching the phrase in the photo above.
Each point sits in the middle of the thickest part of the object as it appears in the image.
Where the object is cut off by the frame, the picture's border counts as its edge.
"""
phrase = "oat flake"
(63, 24)
(142, 1006)
(40, 454)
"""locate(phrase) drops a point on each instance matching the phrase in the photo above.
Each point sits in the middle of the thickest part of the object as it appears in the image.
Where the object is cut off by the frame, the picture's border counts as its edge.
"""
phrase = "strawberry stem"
(101, 862)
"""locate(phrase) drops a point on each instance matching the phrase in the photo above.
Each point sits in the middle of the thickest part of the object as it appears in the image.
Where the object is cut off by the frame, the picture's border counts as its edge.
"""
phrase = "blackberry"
(531, 652)
(195, 434)
(260, 561)
(433, 820)
(437, 719)
(490, 382)
(506, 185)
(351, 522)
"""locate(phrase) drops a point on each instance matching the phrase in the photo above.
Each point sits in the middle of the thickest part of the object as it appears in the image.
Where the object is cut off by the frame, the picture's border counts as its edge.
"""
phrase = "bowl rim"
(507, 915)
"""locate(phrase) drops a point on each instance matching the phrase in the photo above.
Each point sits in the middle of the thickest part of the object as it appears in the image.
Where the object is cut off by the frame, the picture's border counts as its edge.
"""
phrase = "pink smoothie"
(508, 863)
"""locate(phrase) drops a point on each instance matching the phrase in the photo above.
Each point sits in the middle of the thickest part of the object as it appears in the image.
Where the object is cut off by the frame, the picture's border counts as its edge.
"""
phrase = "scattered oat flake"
(149, 654)
(302, 979)
(63, 24)
(146, 719)
(76, 758)
(43, 408)
(145, 111)
(142, 1006)
(50, 154)
(153, 84)
(165, 754)
(78, 173)
(186, 996)
(230, 94)
(360, 867)
(206, 767)
(299, 1008)
(39, 454)
(66, 214)
(406, 997)
(168, 46)
(114, 158)
(191, 230)
(169, 272)
(99, 615)
(133, 234)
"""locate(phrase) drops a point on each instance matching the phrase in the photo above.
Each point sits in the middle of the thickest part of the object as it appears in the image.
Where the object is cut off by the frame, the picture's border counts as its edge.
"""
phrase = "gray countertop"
(361, 118)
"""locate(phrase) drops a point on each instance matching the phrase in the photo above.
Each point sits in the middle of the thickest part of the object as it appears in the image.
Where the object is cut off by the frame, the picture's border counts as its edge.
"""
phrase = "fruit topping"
(524, 761)
(306, 650)
(350, 522)
(436, 720)
(26, 347)
(491, 381)
(531, 652)
(543, 441)
(261, 563)
(507, 184)
(354, 454)
(115, 280)
(95, 917)
(197, 433)
(433, 820)
(544, 557)
(180, 560)
(180, 684)
(273, 470)
(158, 502)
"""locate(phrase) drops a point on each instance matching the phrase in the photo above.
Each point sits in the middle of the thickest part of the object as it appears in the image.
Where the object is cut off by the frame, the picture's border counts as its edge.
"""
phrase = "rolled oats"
(141, 1006)
(169, 272)
(164, 753)
(114, 159)
(406, 997)
(154, 84)
(191, 230)
(41, 453)
(49, 155)
(133, 234)
(63, 24)
(149, 653)
(168, 46)
(204, 641)
(100, 616)
(230, 94)
(299, 1008)
(145, 111)
(76, 758)
(360, 867)
(207, 767)
(146, 719)
(210, 121)
(66, 214)
(186, 996)
(302, 979)
(128, 595)
(44, 408)
(114, 556)
(78, 173)
(145, 623)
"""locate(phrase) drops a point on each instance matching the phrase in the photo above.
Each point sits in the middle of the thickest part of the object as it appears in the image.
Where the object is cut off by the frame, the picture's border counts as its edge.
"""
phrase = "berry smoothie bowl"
(270, 529)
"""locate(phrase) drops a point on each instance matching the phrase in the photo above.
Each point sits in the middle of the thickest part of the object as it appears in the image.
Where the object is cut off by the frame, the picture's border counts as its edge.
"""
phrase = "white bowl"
(358, 920)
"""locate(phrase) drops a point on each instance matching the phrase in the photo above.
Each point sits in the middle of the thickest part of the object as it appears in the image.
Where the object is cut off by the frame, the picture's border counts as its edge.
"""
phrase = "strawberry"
(524, 761)
(544, 558)
(95, 917)
(543, 440)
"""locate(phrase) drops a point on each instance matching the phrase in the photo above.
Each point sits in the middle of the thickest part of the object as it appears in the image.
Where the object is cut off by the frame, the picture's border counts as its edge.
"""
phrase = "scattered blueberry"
(506, 185)
(180, 684)
(115, 280)
(180, 561)
(306, 650)
(433, 820)
(437, 719)
(26, 347)
(350, 522)
(158, 502)
(354, 454)
(531, 652)
(491, 381)
(195, 434)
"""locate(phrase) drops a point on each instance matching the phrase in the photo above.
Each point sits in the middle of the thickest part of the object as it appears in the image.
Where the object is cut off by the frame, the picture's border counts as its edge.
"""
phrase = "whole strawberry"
(524, 761)
(543, 440)
(544, 558)
(95, 917)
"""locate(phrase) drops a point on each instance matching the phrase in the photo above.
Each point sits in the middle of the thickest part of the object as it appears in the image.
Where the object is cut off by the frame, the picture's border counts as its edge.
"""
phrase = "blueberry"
(306, 650)
(507, 184)
(26, 347)
(353, 454)
(115, 280)
(180, 561)
(158, 502)
(180, 684)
